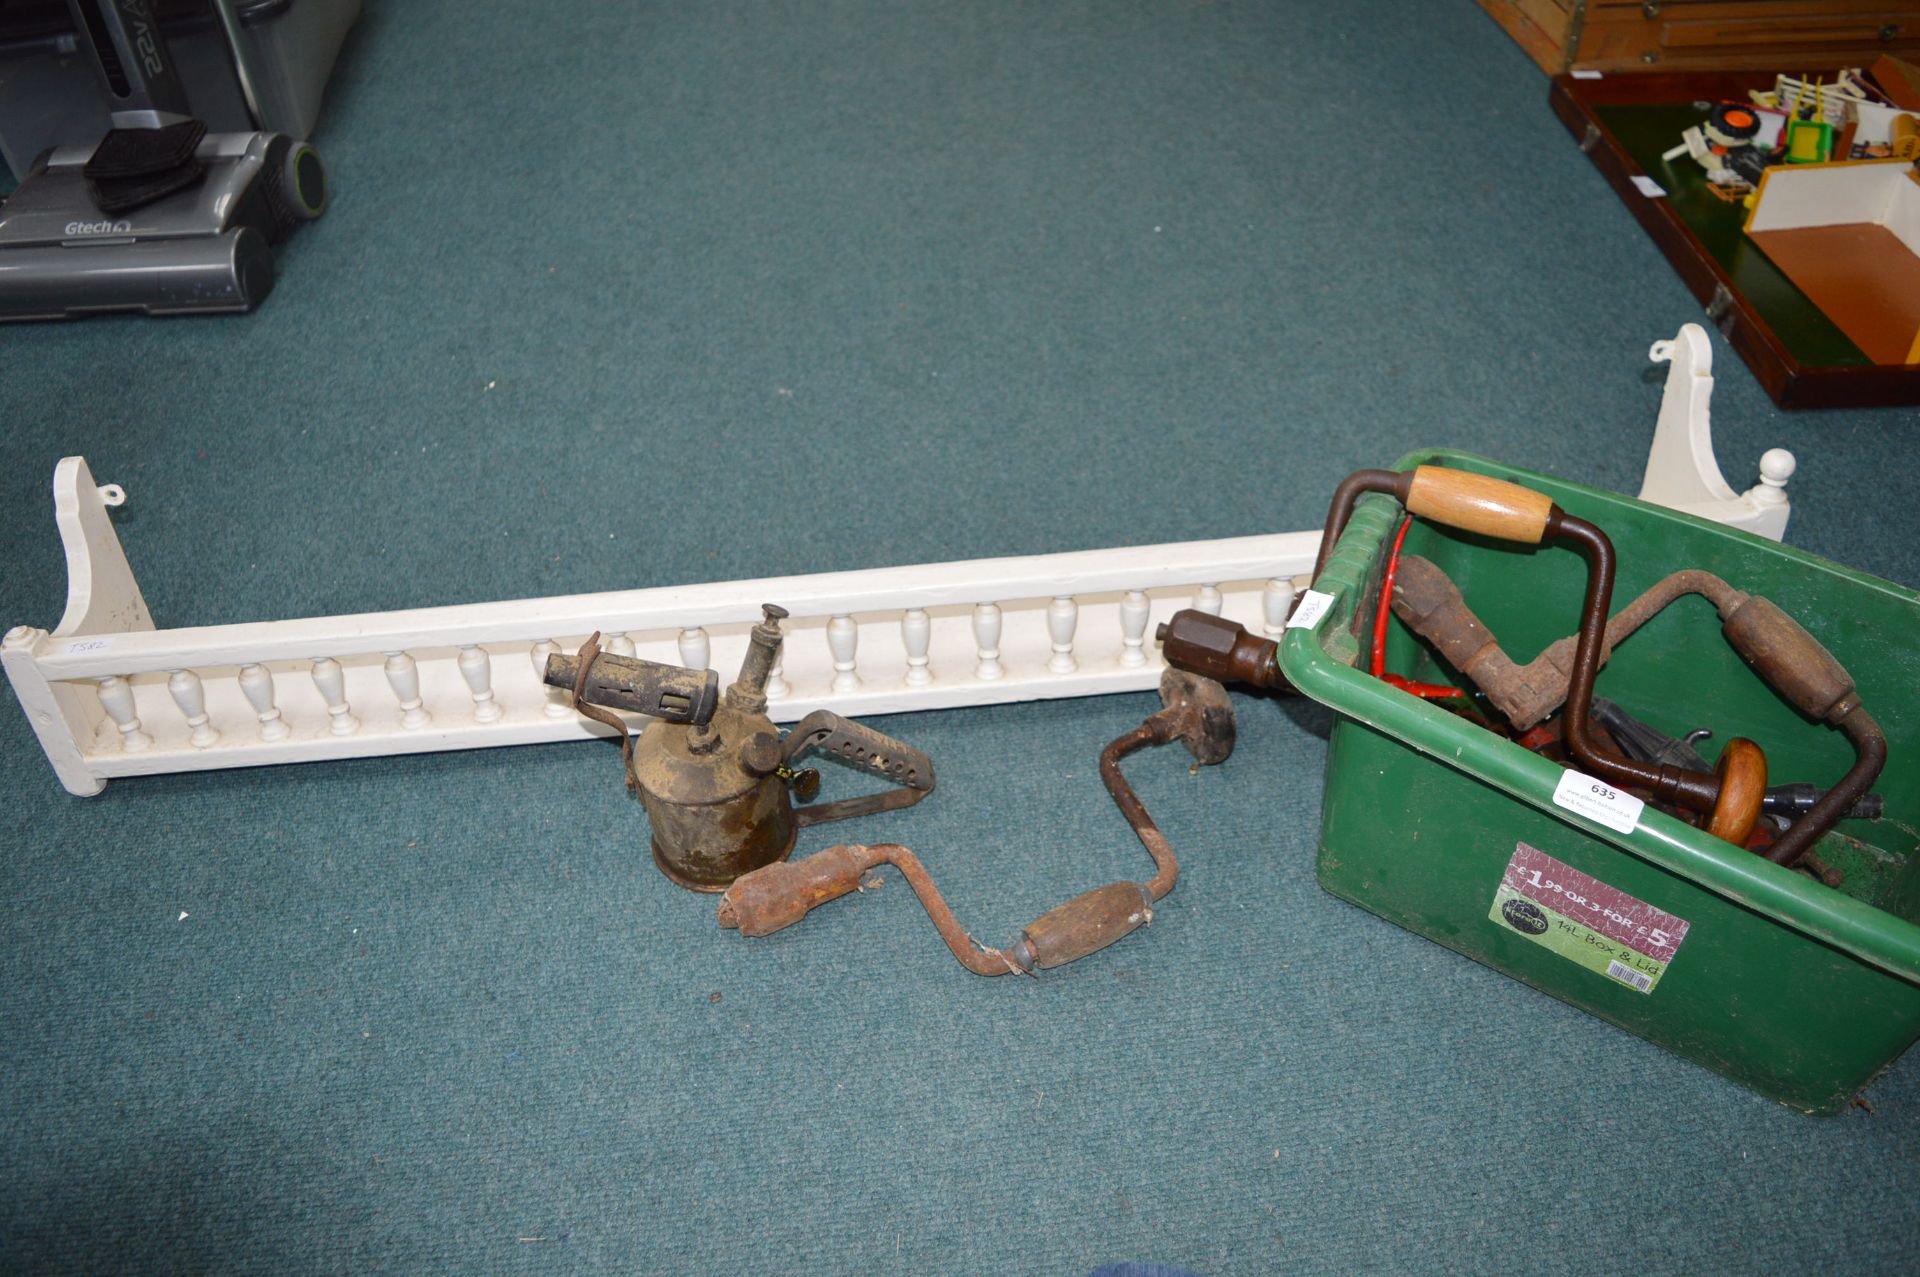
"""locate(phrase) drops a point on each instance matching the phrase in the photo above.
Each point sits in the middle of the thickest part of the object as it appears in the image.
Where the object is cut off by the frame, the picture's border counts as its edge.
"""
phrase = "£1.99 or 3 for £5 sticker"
(1585, 921)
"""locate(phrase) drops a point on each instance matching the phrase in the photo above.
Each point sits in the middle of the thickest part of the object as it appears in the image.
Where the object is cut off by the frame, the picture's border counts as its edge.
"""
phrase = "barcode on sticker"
(1627, 975)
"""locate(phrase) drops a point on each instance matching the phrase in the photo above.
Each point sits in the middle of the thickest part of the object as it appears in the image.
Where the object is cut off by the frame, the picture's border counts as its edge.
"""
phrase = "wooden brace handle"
(1743, 787)
(1476, 503)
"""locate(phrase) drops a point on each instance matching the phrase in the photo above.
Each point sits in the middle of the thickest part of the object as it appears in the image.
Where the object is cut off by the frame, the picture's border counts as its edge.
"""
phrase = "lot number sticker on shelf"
(1648, 187)
(1313, 606)
(1597, 801)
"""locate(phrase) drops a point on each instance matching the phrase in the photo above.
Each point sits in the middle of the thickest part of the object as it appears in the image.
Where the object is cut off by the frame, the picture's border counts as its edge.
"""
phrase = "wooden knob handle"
(1476, 503)
(1743, 787)
(1087, 923)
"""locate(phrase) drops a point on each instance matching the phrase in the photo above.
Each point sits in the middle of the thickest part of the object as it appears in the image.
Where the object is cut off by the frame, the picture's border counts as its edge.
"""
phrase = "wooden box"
(1624, 123)
(1680, 35)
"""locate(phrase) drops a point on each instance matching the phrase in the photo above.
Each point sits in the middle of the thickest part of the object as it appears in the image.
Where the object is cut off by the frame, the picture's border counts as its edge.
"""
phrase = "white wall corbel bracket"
(1681, 470)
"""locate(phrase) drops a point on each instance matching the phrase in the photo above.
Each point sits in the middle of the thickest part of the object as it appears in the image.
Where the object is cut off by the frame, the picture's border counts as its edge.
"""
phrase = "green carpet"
(633, 295)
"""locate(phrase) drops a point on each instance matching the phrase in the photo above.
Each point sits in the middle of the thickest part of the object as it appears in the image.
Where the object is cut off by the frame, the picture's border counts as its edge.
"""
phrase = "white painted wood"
(478, 671)
(696, 649)
(353, 694)
(777, 687)
(1063, 616)
(256, 684)
(916, 632)
(403, 675)
(116, 697)
(100, 691)
(1134, 611)
(986, 639)
(721, 606)
(1776, 467)
(843, 640)
(1680, 463)
(184, 686)
(556, 702)
(103, 599)
(102, 596)
(1276, 600)
(331, 682)
(1682, 473)
(62, 714)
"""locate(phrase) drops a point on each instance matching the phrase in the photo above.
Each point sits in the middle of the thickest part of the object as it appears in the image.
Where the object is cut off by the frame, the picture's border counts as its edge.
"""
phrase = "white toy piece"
(1693, 142)
(108, 695)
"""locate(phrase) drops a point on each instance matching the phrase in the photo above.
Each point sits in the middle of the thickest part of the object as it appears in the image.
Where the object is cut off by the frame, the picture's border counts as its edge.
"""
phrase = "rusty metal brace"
(1197, 713)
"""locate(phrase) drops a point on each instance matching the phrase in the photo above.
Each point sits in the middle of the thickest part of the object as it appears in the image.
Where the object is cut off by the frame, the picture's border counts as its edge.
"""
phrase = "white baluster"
(256, 682)
(916, 631)
(1063, 614)
(1275, 602)
(842, 637)
(191, 696)
(1776, 467)
(116, 697)
(477, 669)
(559, 699)
(331, 681)
(986, 636)
(1208, 600)
(778, 687)
(619, 644)
(1134, 609)
(403, 676)
(695, 648)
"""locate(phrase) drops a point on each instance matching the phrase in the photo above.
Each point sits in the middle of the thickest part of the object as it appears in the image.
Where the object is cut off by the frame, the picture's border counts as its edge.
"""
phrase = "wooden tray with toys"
(1789, 203)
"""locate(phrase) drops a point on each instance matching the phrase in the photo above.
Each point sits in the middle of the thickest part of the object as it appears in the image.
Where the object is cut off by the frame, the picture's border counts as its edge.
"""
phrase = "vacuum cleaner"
(159, 215)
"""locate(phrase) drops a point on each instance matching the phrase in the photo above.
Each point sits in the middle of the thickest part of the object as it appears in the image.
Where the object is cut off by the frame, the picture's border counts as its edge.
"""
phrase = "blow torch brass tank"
(715, 800)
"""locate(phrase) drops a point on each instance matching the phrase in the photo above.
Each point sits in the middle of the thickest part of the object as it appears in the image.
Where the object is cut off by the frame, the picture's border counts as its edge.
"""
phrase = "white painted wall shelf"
(110, 695)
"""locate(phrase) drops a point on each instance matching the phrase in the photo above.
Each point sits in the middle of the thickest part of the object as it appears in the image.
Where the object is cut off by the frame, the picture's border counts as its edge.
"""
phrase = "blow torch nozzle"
(644, 687)
(1201, 643)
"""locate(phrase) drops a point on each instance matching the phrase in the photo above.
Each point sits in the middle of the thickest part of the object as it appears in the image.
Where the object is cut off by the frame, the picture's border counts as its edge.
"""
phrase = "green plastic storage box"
(1800, 991)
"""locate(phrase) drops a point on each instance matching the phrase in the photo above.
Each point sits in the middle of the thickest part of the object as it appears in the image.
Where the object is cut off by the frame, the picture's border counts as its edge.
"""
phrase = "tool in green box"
(1799, 990)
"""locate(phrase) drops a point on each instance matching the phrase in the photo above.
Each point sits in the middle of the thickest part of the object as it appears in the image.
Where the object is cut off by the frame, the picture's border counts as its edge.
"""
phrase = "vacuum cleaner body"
(159, 215)
(206, 248)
